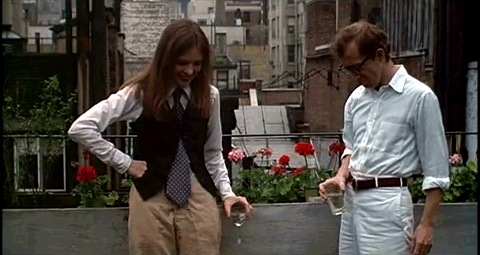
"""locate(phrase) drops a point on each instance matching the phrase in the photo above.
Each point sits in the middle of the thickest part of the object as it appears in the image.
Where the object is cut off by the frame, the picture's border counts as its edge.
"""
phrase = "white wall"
(13, 14)
(233, 33)
(199, 10)
(45, 33)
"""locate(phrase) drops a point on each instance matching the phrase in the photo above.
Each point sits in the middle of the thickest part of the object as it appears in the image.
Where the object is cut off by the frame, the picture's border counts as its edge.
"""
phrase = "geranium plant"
(304, 149)
(264, 153)
(463, 183)
(91, 187)
(281, 183)
(335, 150)
(236, 155)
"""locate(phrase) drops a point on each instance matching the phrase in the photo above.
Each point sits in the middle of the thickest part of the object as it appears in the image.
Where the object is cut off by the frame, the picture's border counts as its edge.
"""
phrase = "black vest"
(157, 143)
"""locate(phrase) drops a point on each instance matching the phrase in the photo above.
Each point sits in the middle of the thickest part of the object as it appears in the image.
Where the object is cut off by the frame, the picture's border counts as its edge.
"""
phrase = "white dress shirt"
(123, 106)
(396, 131)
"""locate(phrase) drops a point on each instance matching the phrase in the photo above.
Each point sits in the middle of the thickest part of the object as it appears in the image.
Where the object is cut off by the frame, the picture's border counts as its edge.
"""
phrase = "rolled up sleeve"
(86, 130)
(431, 143)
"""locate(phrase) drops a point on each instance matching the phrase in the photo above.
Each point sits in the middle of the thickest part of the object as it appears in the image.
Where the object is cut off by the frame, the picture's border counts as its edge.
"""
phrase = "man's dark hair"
(367, 36)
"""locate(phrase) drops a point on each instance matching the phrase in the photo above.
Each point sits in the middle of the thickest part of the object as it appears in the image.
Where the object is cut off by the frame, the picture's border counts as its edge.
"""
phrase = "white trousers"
(376, 221)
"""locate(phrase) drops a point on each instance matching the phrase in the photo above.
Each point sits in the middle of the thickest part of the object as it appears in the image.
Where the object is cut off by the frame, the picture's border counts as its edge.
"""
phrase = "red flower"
(284, 159)
(86, 173)
(336, 148)
(267, 152)
(304, 148)
(278, 170)
(297, 171)
(236, 155)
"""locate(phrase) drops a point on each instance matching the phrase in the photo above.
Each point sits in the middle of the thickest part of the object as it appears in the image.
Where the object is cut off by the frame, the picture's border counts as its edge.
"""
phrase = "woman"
(178, 166)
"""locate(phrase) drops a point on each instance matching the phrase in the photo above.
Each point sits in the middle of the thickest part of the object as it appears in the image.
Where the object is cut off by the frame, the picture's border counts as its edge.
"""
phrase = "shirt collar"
(398, 80)
(187, 90)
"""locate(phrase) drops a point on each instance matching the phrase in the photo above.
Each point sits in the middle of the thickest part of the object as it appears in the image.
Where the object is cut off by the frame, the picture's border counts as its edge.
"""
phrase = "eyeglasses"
(355, 69)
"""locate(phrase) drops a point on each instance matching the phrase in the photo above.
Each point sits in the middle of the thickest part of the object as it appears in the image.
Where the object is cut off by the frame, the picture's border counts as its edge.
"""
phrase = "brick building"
(326, 90)
(142, 23)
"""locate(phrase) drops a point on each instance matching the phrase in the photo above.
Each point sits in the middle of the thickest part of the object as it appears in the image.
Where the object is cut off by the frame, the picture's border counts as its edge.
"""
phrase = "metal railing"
(455, 142)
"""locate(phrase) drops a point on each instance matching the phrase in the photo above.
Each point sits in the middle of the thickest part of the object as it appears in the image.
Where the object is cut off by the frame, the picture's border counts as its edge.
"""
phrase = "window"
(222, 79)
(291, 80)
(278, 56)
(278, 24)
(39, 163)
(202, 22)
(274, 4)
(274, 56)
(210, 10)
(274, 26)
(221, 43)
(300, 53)
(290, 1)
(291, 24)
(291, 53)
(246, 17)
(245, 70)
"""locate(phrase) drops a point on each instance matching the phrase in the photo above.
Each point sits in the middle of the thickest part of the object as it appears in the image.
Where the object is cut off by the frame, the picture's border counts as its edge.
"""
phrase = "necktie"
(178, 181)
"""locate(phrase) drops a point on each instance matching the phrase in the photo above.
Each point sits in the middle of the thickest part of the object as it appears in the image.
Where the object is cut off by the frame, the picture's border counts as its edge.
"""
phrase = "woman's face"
(188, 66)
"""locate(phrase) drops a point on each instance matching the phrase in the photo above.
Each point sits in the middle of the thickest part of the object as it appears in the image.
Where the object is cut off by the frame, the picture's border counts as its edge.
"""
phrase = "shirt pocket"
(389, 137)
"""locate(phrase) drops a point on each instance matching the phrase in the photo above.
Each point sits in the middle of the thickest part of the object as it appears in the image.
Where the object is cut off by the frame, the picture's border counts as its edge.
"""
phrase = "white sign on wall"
(253, 97)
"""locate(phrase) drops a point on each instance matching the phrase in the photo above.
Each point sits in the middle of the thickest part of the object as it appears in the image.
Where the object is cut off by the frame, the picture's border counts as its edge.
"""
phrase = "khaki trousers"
(158, 226)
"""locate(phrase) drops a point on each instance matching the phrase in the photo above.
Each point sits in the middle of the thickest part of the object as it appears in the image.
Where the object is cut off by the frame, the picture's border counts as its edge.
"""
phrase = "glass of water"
(335, 198)
(238, 214)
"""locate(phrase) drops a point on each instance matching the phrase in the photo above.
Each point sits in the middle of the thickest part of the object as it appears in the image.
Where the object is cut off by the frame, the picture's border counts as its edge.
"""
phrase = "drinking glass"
(238, 214)
(335, 198)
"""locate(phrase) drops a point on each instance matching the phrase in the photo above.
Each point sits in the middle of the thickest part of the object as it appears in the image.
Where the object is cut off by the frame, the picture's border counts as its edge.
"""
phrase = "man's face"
(188, 66)
(367, 70)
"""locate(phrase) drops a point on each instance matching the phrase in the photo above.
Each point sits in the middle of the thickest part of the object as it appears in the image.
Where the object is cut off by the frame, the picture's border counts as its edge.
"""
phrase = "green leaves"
(463, 185)
(259, 186)
(92, 194)
(52, 115)
(112, 197)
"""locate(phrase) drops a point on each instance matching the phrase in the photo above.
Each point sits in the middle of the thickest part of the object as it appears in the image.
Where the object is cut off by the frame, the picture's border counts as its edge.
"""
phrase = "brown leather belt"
(377, 182)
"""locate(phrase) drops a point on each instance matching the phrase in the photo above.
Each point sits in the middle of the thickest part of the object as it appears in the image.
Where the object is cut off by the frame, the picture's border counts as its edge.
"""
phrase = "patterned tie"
(178, 181)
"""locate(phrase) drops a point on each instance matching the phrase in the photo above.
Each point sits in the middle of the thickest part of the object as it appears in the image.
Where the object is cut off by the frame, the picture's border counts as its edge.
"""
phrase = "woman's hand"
(229, 201)
(137, 168)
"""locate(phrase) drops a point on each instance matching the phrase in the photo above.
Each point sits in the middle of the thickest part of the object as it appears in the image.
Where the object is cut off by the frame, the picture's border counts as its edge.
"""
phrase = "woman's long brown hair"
(156, 80)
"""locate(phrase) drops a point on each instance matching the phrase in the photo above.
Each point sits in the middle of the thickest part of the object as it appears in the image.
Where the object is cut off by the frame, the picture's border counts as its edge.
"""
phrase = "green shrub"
(260, 186)
(463, 185)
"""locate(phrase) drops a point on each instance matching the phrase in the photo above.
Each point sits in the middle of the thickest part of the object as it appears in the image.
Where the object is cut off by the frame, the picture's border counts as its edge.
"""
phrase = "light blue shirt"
(396, 131)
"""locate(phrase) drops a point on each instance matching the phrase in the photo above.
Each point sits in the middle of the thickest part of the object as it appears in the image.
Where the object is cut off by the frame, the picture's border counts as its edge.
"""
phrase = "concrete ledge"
(292, 228)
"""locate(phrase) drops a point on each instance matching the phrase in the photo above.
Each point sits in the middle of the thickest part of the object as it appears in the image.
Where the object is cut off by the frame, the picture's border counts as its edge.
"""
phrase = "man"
(393, 129)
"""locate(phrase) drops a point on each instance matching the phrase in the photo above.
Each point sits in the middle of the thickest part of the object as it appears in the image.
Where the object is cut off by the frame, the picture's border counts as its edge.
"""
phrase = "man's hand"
(422, 240)
(337, 181)
(229, 201)
(137, 168)
(423, 235)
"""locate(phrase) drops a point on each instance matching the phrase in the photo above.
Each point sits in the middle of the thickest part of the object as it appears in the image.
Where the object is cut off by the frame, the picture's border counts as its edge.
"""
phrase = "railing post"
(37, 41)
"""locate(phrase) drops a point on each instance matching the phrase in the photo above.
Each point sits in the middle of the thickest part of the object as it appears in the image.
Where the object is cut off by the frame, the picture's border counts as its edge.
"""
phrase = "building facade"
(287, 42)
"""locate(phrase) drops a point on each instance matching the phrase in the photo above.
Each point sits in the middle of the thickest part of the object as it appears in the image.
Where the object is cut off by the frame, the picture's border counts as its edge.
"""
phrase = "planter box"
(311, 195)
(295, 228)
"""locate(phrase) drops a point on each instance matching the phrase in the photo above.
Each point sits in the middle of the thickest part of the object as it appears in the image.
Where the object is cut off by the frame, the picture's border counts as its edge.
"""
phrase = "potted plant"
(280, 183)
(91, 187)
